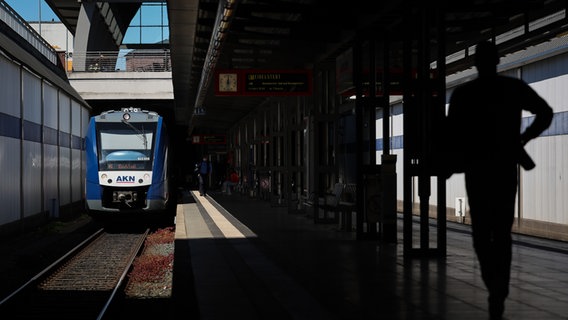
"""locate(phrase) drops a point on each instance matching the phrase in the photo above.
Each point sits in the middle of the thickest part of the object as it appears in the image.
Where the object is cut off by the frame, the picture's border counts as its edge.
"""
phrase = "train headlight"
(104, 176)
(146, 177)
(126, 116)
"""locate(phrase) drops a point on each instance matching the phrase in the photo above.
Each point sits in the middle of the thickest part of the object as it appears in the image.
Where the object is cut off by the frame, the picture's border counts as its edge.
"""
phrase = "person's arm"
(543, 117)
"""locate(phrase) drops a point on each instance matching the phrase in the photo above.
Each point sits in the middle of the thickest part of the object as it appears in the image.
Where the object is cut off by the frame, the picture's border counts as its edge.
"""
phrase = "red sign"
(209, 139)
(253, 82)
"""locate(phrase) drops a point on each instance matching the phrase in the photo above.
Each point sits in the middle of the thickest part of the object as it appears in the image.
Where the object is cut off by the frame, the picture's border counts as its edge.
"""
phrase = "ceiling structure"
(207, 35)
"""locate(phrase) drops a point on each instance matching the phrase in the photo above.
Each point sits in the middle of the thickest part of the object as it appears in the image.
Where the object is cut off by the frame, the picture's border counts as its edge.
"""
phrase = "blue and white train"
(127, 169)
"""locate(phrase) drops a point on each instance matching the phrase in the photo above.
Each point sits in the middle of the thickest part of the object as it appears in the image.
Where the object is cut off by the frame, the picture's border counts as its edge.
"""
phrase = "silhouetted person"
(484, 118)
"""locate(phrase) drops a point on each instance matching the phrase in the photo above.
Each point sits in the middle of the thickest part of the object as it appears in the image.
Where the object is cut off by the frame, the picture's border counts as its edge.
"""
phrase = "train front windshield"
(125, 146)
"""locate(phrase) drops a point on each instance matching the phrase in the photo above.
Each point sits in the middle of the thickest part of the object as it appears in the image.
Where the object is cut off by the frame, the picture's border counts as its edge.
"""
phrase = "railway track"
(80, 285)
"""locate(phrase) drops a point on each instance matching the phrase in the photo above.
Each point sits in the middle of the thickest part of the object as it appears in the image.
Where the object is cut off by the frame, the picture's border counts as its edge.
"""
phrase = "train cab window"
(125, 147)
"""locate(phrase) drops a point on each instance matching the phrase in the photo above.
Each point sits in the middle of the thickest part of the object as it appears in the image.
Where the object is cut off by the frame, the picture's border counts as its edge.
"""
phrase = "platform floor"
(241, 258)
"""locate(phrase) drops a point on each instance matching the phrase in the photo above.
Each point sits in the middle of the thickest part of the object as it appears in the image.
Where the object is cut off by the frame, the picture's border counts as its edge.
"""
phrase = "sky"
(151, 18)
(30, 10)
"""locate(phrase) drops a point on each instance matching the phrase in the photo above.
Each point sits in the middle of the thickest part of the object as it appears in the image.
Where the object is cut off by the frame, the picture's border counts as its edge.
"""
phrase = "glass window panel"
(149, 25)
(152, 15)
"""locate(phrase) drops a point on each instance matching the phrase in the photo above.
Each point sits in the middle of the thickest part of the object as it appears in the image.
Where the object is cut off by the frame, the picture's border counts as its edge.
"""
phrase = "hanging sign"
(256, 82)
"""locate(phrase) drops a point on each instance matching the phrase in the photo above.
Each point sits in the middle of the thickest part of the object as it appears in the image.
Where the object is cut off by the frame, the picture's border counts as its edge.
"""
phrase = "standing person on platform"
(484, 119)
(204, 170)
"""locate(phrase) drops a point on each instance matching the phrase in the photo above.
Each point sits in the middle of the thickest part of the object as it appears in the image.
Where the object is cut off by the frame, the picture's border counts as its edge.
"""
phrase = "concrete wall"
(123, 85)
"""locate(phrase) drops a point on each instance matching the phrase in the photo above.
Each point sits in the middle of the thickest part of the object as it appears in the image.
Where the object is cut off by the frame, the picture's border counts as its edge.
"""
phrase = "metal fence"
(143, 60)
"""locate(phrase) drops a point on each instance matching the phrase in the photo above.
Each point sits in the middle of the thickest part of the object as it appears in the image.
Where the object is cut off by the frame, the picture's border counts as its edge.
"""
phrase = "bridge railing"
(144, 60)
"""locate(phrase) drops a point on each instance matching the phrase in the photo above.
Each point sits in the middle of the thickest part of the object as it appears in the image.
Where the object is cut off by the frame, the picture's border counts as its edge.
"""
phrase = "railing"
(21, 27)
(142, 60)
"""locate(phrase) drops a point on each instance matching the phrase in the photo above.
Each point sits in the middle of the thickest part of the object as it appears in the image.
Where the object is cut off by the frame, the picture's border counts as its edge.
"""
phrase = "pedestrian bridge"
(122, 75)
(123, 85)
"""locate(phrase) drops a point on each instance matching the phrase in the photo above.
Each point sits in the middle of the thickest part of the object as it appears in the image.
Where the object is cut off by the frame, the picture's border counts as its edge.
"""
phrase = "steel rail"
(53, 265)
(123, 275)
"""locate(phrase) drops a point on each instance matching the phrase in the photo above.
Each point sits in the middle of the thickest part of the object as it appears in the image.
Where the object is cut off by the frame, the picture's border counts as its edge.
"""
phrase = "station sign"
(209, 139)
(258, 82)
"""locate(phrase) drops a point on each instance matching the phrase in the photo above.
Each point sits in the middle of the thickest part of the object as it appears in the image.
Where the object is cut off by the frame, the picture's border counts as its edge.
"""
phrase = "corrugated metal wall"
(50, 149)
(64, 150)
(543, 190)
(76, 151)
(41, 144)
(31, 144)
(9, 142)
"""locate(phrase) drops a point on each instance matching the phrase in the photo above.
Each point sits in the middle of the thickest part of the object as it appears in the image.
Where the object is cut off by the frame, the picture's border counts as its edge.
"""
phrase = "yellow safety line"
(180, 223)
(226, 227)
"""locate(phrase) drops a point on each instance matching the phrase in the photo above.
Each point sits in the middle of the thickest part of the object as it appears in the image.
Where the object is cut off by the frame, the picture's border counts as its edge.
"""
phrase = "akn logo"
(125, 179)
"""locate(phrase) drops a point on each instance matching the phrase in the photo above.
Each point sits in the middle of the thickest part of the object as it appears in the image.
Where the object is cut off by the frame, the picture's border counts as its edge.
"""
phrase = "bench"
(346, 206)
(329, 202)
